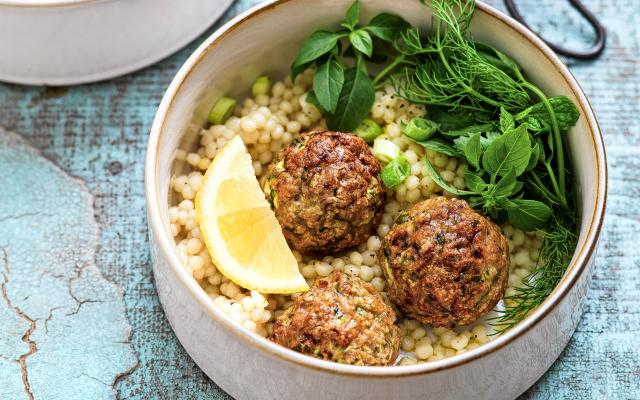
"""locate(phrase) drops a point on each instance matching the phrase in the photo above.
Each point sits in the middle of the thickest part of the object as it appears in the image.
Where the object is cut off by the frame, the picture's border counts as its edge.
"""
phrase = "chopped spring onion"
(368, 130)
(419, 129)
(262, 85)
(385, 150)
(396, 172)
(222, 110)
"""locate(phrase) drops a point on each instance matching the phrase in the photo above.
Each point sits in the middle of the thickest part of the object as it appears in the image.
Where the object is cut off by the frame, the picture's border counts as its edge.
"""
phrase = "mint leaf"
(353, 13)
(473, 150)
(316, 45)
(528, 215)
(327, 84)
(356, 98)
(511, 151)
(439, 146)
(506, 121)
(387, 27)
(567, 114)
(435, 176)
(361, 41)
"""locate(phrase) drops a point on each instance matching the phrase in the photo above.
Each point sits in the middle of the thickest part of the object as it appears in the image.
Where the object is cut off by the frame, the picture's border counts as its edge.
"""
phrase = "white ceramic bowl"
(247, 366)
(63, 42)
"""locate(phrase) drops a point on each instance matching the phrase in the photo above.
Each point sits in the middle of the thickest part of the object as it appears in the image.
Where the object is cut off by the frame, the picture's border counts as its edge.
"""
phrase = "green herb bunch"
(481, 109)
(342, 86)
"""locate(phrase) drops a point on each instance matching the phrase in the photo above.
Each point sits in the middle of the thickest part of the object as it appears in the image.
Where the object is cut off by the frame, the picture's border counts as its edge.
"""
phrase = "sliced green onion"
(385, 150)
(396, 172)
(419, 129)
(368, 130)
(222, 110)
(262, 85)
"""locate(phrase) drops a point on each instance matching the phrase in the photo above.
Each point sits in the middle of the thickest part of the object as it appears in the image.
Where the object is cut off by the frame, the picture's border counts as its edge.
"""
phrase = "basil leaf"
(511, 151)
(506, 121)
(505, 186)
(353, 13)
(473, 150)
(361, 41)
(528, 215)
(387, 27)
(327, 84)
(440, 146)
(567, 113)
(395, 172)
(435, 176)
(316, 45)
(356, 99)
(474, 182)
(535, 156)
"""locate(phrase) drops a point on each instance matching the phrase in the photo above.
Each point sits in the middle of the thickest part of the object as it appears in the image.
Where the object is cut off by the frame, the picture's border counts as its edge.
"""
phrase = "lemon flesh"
(240, 230)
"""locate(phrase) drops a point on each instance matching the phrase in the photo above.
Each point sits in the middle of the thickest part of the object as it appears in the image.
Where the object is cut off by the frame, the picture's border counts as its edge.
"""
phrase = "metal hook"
(589, 54)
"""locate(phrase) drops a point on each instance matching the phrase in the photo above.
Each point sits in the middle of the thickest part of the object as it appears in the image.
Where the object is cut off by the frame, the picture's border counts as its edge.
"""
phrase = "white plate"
(65, 42)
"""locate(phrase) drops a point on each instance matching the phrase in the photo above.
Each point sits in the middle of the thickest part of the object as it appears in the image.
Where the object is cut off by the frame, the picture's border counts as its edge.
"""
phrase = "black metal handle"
(589, 54)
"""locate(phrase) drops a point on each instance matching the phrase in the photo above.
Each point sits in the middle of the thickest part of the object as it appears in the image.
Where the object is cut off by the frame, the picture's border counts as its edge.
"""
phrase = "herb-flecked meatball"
(445, 264)
(326, 191)
(343, 319)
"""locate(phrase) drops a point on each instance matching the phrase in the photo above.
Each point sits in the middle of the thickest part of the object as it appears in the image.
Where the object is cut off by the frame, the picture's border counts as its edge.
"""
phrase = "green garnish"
(483, 110)
(222, 110)
(261, 86)
(419, 129)
(560, 242)
(396, 172)
(385, 150)
(368, 130)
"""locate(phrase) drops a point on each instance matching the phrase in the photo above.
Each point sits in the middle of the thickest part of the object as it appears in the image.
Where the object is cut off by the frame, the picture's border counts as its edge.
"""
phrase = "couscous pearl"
(374, 243)
(378, 283)
(355, 258)
(366, 273)
(418, 333)
(412, 182)
(194, 246)
(424, 350)
(408, 343)
(323, 269)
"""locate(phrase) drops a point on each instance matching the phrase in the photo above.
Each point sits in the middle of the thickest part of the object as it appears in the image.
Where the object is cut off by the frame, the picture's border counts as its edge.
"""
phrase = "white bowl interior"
(231, 60)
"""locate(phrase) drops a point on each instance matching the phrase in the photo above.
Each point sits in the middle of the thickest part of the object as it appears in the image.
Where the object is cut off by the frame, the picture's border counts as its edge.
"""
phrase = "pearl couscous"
(267, 123)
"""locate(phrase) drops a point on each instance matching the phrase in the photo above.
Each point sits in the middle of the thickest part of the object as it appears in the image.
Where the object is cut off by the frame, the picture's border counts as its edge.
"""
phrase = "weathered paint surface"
(98, 133)
(63, 333)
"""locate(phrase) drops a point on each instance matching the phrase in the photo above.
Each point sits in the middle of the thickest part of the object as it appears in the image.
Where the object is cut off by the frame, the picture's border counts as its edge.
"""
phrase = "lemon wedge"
(241, 231)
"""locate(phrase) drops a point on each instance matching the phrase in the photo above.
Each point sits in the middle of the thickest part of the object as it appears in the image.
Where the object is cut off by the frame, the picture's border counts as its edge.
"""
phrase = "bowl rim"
(165, 244)
(47, 3)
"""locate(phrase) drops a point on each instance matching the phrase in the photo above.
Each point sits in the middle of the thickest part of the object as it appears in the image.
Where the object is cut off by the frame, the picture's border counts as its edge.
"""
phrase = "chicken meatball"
(445, 264)
(343, 319)
(326, 191)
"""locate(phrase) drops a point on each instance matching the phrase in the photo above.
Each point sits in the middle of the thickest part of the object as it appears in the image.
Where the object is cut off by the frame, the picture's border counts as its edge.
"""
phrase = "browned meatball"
(326, 191)
(343, 319)
(445, 264)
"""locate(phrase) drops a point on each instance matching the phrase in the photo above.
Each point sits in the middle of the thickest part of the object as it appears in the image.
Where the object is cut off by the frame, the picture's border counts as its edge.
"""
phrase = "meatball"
(445, 264)
(343, 319)
(326, 191)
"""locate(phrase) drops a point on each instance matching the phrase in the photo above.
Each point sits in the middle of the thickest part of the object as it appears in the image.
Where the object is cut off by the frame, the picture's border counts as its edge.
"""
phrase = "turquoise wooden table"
(79, 315)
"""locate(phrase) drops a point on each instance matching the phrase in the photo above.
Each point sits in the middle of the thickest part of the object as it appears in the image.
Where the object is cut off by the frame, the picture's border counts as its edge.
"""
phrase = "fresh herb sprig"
(342, 88)
(560, 242)
(484, 110)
